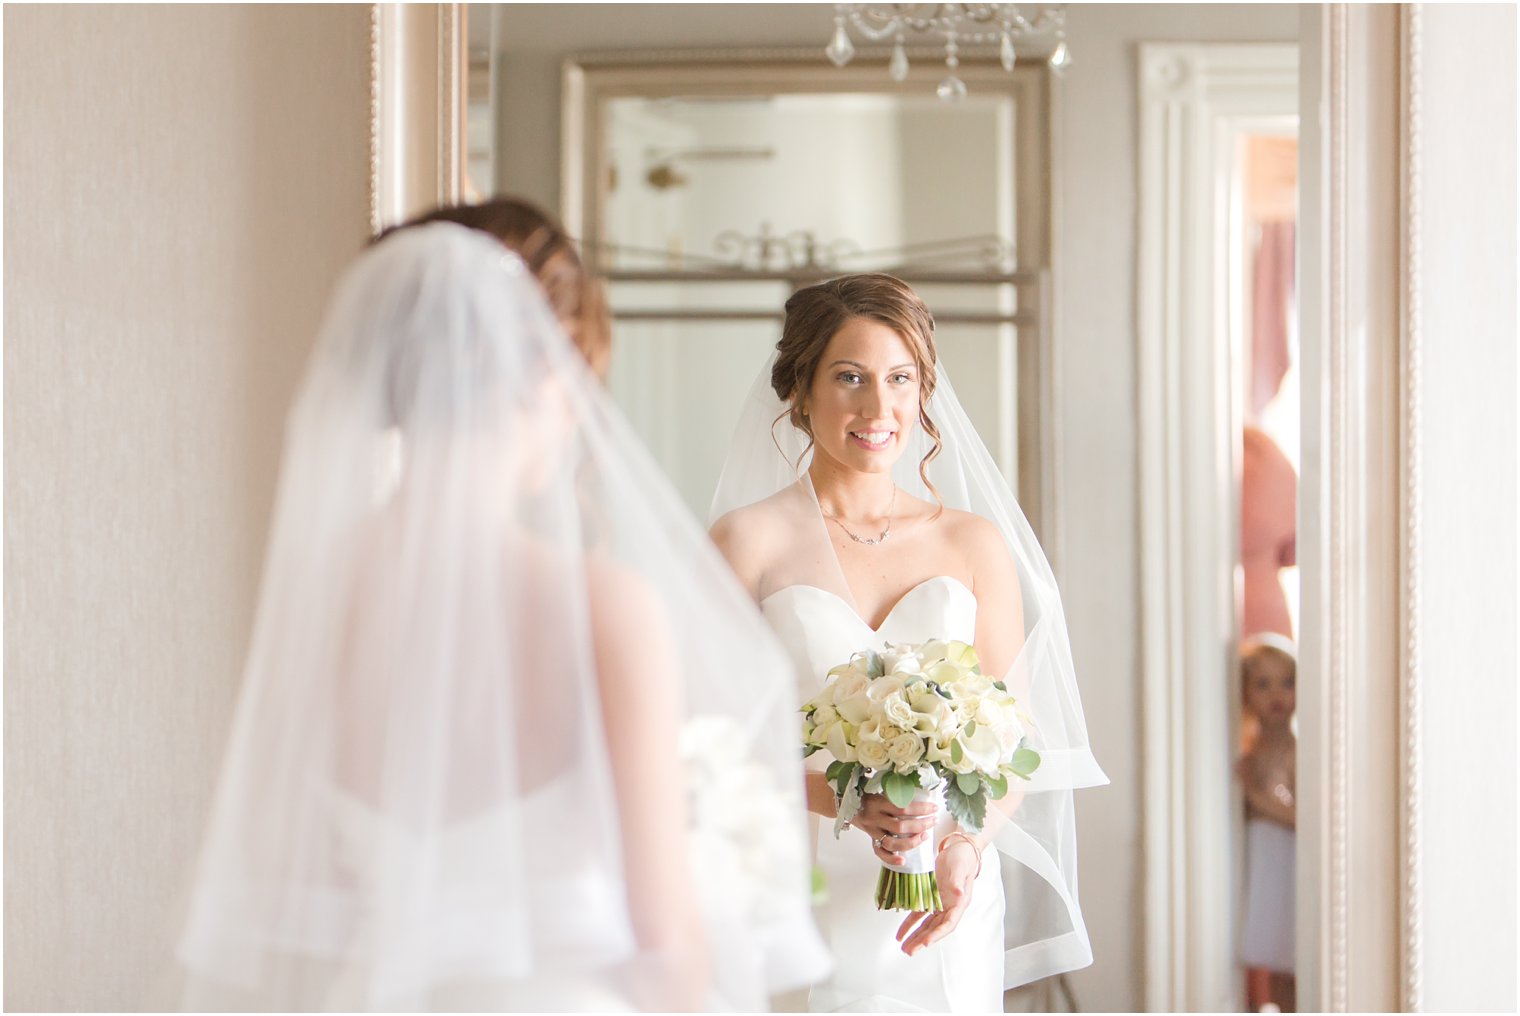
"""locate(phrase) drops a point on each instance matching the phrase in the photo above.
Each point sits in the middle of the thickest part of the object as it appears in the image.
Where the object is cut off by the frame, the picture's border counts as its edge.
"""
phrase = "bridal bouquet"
(917, 722)
(743, 821)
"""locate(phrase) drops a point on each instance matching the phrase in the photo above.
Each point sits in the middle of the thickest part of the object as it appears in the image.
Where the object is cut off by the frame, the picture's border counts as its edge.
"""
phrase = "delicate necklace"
(861, 539)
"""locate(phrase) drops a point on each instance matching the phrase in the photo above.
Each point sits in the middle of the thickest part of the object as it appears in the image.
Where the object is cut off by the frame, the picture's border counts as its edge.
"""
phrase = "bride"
(479, 758)
(859, 508)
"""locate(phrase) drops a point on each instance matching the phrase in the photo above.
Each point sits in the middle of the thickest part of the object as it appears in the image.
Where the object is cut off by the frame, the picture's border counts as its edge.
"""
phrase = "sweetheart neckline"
(875, 630)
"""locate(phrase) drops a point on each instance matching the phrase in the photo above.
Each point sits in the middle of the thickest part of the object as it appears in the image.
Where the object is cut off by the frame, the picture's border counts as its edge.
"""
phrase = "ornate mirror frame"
(1360, 926)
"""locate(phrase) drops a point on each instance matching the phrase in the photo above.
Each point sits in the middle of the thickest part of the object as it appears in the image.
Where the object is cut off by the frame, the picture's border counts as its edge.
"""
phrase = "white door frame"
(1196, 101)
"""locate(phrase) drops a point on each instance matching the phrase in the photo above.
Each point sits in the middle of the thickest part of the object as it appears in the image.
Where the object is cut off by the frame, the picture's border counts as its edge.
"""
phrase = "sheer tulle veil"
(768, 461)
(509, 735)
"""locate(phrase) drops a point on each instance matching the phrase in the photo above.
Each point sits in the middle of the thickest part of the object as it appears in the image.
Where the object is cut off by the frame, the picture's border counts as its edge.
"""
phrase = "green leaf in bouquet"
(899, 788)
(808, 749)
(969, 783)
(970, 730)
(970, 810)
(842, 777)
(997, 787)
(874, 667)
(956, 752)
(1025, 762)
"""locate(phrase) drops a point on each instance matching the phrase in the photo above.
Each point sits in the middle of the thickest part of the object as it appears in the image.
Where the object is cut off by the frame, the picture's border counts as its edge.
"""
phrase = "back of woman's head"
(550, 254)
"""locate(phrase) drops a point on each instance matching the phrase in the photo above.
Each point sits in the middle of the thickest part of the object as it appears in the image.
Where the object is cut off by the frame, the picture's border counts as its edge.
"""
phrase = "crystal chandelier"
(957, 24)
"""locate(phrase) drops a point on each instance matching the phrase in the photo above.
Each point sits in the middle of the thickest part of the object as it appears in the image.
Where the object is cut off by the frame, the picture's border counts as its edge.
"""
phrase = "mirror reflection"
(713, 161)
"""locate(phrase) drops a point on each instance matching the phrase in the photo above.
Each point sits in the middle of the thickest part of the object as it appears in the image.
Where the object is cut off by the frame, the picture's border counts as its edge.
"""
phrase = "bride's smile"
(865, 399)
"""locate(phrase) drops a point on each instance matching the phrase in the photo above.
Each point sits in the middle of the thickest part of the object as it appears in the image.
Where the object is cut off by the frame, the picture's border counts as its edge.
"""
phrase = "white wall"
(1094, 336)
(182, 185)
(1466, 388)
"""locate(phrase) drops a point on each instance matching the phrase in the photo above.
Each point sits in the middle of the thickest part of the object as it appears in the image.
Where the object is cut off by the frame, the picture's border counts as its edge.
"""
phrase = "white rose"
(873, 754)
(896, 709)
(885, 687)
(847, 682)
(905, 750)
(856, 709)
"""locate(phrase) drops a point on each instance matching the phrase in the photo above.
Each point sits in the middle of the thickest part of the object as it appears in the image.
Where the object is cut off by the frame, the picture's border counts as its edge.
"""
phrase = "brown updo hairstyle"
(575, 297)
(815, 314)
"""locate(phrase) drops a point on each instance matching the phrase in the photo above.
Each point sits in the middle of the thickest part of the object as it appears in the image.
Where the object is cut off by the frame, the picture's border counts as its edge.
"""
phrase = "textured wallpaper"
(182, 186)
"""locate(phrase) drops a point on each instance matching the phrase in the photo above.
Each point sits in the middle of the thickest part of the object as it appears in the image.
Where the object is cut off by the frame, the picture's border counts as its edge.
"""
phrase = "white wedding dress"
(962, 973)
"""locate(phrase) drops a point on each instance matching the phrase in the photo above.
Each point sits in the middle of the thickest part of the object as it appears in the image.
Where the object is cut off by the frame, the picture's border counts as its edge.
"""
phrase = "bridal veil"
(768, 461)
(509, 735)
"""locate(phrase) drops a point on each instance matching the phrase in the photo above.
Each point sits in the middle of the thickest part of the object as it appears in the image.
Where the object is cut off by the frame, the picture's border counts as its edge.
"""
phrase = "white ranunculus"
(905, 750)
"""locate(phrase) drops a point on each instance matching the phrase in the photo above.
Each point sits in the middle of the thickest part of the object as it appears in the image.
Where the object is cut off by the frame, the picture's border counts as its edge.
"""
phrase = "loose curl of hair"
(814, 315)
(575, 297)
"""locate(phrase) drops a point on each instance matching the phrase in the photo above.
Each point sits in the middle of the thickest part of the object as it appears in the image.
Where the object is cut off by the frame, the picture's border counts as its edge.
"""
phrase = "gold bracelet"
(967, 837)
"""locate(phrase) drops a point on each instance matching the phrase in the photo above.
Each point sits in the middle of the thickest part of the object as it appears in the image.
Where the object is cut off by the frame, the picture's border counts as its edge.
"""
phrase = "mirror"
(711, 161)
(709, 189)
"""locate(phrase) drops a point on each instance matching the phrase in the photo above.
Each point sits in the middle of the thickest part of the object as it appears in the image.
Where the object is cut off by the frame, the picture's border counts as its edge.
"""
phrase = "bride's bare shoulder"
(750, 537)
(977, 538)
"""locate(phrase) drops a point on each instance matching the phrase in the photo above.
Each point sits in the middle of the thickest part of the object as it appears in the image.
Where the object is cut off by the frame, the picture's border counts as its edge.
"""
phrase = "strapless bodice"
(965, 974)
(820, 630)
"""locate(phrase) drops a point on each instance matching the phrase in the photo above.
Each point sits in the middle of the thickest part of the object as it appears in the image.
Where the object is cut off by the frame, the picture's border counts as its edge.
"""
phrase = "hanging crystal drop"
(1007, 53)
(1061, 58)
(898, 68)
(952, 89)
(840, 48)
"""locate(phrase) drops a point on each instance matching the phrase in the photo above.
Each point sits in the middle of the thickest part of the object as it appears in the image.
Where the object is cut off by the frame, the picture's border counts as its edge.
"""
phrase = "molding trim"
(1194, 100)
(1352, 865)
(418, 67)
(1411, 24)
(1339, 522)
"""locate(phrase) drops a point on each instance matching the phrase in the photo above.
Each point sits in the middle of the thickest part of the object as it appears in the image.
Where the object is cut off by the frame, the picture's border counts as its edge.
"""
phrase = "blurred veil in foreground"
(510, 735)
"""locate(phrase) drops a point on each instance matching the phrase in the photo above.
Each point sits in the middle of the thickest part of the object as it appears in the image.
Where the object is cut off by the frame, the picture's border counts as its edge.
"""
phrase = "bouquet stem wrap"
(912, 885)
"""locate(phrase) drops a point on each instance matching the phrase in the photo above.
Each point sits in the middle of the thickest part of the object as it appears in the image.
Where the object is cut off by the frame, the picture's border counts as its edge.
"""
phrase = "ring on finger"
(880, 841)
